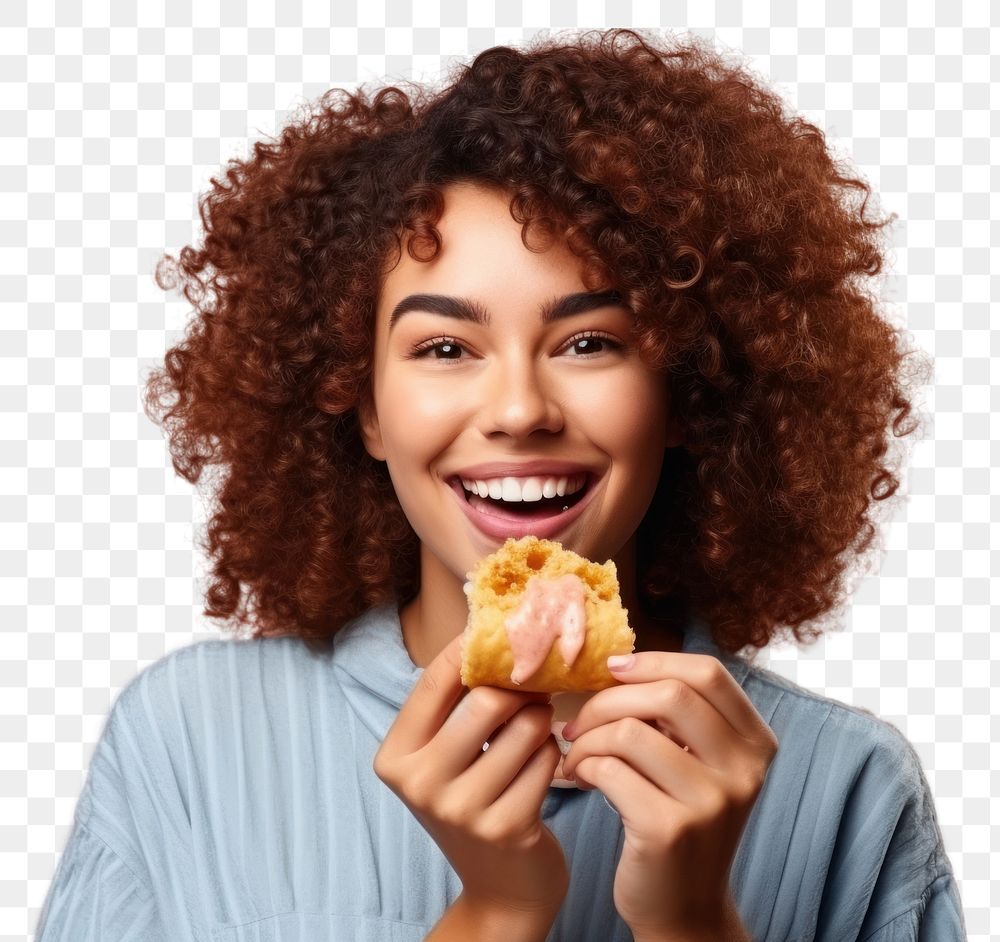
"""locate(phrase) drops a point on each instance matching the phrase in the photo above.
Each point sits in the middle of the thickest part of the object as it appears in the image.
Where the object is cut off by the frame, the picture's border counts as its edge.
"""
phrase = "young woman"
(613, 268)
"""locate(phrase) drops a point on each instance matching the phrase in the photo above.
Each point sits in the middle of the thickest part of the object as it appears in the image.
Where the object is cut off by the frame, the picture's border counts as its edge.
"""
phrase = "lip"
(498, 529)
(521, 469)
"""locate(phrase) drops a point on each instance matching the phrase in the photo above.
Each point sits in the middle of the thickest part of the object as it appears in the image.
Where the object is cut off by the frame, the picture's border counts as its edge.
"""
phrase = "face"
(536, 411)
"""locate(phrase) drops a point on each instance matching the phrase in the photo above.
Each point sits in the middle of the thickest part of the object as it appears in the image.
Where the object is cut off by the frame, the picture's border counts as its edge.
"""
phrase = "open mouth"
(523, 506)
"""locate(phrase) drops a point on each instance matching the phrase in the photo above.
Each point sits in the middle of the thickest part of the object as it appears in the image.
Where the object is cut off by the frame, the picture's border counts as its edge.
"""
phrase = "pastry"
(542, 618)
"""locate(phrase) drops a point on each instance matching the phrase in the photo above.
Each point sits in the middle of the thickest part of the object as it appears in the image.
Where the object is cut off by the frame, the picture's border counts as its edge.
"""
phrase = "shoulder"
(847, 801)
(801, 718)
(858, 772)
(214, 670)
(274, 673)
(842, 758)
(180, 719)
(199, 684)
(181, 708)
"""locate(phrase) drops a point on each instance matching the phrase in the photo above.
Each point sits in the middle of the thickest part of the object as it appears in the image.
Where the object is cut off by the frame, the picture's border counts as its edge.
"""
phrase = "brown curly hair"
(736, 238)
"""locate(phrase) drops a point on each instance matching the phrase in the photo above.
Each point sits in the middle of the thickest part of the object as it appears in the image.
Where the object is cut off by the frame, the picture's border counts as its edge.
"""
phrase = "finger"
(429, 703)
(479, 717)
(638, 801)
(527, 791)
(675, 708)
(494, 770)
(704, 673)
(643, 748)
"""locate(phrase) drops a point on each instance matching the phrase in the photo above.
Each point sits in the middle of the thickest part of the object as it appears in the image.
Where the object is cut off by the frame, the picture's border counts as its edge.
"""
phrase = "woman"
(614, 262)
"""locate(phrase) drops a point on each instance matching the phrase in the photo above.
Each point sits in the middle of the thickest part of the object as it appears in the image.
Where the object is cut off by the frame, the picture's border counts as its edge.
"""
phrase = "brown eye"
(447, 351)
(444, 348)
(590, 344)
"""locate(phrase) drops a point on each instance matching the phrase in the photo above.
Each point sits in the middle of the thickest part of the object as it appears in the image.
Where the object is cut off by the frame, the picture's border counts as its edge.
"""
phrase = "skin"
(518, 388)
(516, 392)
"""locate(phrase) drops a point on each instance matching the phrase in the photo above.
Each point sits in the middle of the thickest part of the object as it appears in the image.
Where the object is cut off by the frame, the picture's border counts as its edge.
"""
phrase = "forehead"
(482, 250)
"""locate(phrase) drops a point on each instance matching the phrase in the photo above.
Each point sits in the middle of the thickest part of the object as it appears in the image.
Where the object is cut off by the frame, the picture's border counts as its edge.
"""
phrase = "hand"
(483, 809)
(683, 809)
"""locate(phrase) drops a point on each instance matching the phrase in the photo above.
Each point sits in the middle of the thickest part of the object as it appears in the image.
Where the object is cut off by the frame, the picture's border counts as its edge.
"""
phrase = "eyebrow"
(469, 310)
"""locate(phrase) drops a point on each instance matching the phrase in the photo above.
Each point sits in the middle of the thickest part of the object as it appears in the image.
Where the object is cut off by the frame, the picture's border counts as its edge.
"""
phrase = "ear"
(371, 431)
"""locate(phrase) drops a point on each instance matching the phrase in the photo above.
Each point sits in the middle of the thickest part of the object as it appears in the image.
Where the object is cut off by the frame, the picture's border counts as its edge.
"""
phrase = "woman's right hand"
(483, 808)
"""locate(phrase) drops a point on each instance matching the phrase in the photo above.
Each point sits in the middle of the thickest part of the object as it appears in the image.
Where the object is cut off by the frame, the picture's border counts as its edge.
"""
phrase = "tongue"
(531, 510)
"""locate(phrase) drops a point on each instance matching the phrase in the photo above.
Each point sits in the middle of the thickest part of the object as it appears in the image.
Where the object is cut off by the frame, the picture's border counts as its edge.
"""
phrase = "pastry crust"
(495, 590)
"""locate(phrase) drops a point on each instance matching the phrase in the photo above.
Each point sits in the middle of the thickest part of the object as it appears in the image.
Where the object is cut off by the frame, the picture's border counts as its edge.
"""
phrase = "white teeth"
(525, 489)
(531, 489)
(511, 490)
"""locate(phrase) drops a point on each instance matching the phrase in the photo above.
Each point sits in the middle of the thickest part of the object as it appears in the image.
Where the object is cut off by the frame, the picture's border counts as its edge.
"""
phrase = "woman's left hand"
(683, 809)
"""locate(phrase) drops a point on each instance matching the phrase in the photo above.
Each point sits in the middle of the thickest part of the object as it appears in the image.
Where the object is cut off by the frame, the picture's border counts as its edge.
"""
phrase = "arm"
(121, 875)
(681, 753)
(482, 808)
(464, 920)
(936, 918)
(94, 895)
(729, 928)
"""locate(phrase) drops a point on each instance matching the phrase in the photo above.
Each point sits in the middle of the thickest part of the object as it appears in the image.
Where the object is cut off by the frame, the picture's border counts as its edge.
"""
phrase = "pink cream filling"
(551, 609)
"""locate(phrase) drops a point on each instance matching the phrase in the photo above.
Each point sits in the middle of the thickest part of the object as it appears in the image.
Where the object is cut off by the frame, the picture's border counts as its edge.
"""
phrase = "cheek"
(414, 415)
(433, 397)
(628, 412)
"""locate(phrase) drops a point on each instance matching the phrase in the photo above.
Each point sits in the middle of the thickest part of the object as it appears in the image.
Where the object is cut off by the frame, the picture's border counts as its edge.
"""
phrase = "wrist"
(728, 933)
(697, 935)
(487, 920)
(726, 926)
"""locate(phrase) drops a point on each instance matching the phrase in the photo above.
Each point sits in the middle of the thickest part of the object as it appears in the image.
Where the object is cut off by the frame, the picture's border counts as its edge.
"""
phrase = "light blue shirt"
(231, 798)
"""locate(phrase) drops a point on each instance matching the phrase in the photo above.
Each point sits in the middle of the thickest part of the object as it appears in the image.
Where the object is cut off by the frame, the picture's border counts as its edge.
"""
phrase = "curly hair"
(738, 241)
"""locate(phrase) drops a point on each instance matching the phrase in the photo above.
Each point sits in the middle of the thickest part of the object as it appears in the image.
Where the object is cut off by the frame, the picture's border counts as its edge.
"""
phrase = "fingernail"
(568, 732)
(620, 662)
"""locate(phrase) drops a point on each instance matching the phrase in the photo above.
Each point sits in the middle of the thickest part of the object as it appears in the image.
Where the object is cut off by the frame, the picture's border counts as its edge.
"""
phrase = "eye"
(590, 344)
(445, 348)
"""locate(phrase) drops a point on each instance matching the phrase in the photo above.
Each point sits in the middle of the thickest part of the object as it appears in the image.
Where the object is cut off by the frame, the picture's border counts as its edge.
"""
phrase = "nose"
(518, 400)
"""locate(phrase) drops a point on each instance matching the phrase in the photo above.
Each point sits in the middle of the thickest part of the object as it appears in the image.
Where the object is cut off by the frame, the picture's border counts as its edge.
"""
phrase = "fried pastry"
(543, 618)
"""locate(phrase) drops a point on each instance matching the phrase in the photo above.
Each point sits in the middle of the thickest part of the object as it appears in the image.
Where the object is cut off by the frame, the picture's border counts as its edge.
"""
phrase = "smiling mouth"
(541, 509)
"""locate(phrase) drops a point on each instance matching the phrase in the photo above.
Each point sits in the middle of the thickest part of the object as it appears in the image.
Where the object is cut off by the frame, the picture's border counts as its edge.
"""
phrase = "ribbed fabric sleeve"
(231, 798)
(96, 898)
(843, 843)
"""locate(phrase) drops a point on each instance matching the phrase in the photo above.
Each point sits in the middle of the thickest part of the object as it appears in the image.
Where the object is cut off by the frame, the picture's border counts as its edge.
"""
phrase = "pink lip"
(502, 529)
(520, 469)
